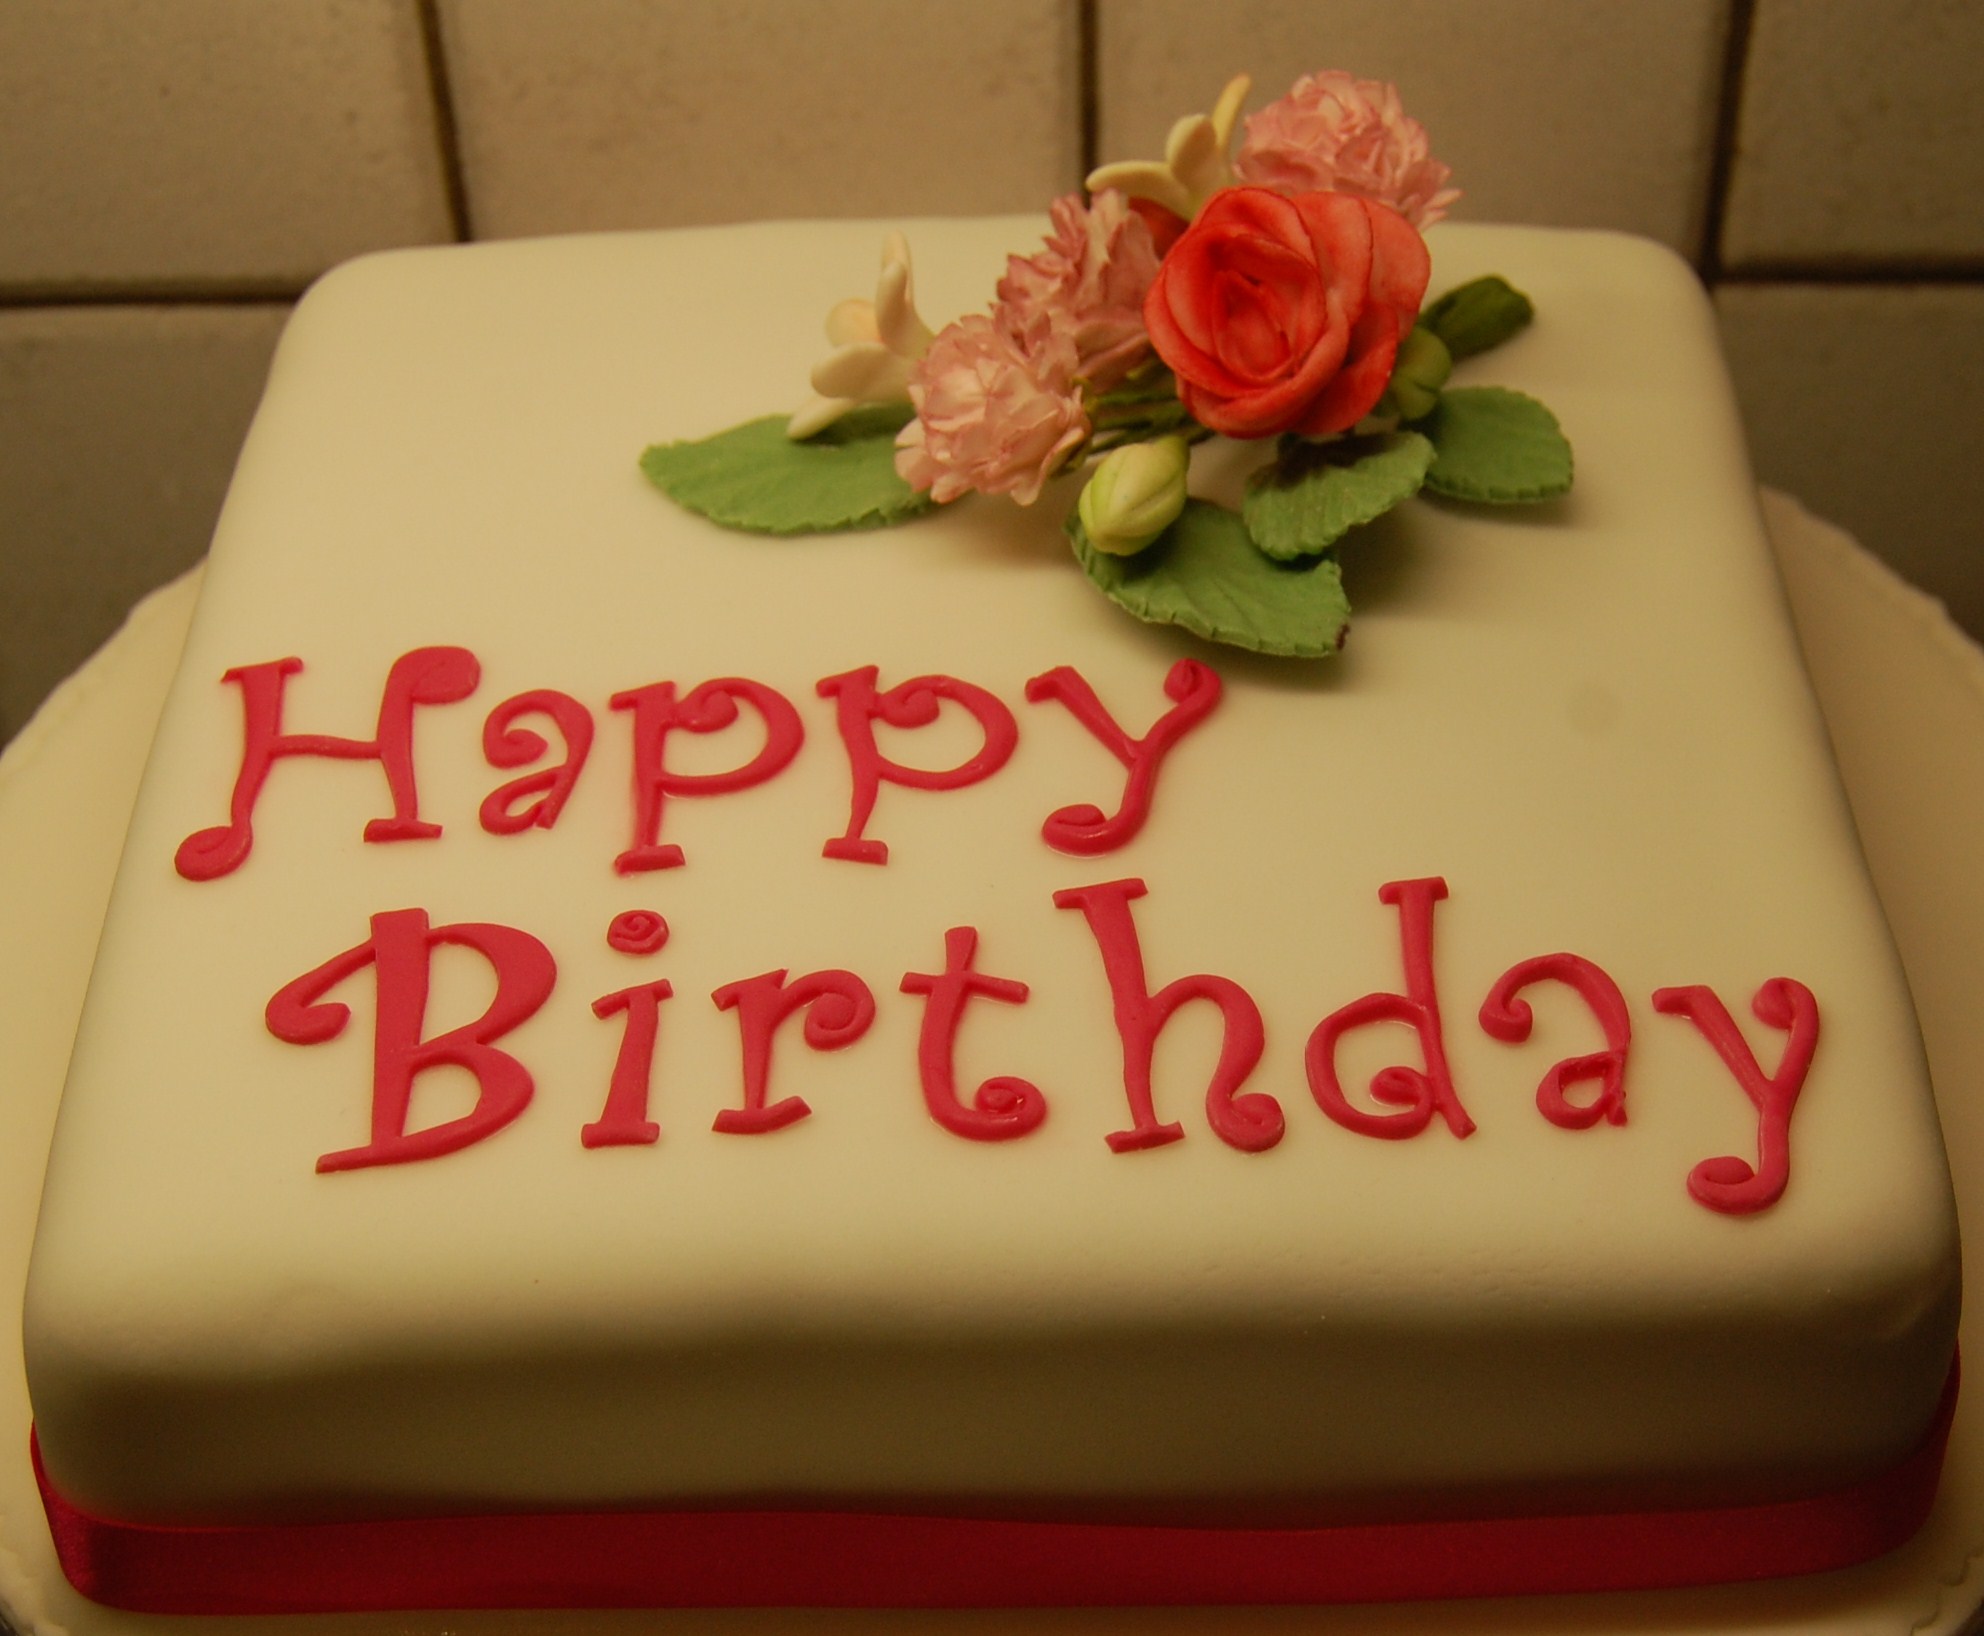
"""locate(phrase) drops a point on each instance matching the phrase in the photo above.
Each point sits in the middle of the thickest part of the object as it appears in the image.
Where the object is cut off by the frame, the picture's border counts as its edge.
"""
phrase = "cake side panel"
(1588, 719)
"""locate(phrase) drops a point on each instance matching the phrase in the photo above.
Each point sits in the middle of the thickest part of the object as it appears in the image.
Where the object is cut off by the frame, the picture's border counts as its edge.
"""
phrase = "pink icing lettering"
(504, 744)
(636, 931)
(624, 1121)
(706, 709)
(1003, 1107)
(1508, 1018)
(424, 676)
(399, 950)
(839, 1008)
(1082, 829)
(914, 703)
(1417, 1094)
(1250, 1122)
(1730, 1184)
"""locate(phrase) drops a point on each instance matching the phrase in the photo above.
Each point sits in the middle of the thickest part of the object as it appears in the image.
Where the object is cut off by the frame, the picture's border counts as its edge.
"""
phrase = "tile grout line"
(1087, 27)
(249, 293)
(447, 127)
(1857, 273)
(1897, 275)
(1722, 152)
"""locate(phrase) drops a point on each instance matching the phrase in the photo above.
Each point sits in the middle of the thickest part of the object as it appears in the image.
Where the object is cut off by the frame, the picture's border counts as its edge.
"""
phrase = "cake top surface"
(579, 968)
(1507, 717)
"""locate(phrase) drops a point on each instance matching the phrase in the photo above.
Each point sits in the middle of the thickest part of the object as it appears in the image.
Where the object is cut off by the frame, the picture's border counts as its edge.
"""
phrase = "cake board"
(1903, 693)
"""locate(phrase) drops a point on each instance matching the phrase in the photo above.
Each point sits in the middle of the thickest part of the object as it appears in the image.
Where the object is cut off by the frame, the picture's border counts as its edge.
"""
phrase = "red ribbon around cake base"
(612, 1559)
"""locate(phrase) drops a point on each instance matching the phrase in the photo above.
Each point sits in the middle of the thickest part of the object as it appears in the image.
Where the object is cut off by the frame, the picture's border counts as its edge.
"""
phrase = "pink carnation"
(1337, 134)
(1089, 282)
(997, 410)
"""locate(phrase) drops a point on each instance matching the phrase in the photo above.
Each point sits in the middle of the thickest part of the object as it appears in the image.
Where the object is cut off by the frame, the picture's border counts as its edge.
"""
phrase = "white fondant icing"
(1590, 719)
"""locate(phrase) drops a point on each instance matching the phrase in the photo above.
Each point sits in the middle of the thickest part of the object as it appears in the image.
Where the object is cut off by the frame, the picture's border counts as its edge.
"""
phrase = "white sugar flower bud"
(1135, 494)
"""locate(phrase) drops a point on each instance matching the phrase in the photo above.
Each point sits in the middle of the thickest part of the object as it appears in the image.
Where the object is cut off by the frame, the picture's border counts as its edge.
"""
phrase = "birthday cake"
(641, 1061)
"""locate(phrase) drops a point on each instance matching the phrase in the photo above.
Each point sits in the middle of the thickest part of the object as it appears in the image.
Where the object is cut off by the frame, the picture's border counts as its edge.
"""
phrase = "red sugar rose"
(1284, 314)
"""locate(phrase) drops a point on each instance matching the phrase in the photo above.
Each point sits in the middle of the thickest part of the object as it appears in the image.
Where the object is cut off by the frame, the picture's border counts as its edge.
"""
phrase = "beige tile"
(1866, 401)
(1862, 134)
(1584, 113)
(122, 428)
(645, 113)
(153, 144)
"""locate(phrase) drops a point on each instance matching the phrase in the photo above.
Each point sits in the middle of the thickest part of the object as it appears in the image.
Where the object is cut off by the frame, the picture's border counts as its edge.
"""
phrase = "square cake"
(532, 1072)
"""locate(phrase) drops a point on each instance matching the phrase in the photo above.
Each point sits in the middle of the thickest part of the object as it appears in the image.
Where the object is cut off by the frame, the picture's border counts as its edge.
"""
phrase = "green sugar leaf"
(1480, 314)
(1312, 494)
(753, 477)
(1497, 446)
(1205, 575)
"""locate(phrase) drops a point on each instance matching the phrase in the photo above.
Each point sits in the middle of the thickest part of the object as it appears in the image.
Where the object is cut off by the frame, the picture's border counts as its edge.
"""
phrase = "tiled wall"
(172, 172)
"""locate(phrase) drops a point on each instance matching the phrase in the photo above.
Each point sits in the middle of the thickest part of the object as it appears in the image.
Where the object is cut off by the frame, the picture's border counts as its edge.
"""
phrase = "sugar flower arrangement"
(1273, 295)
